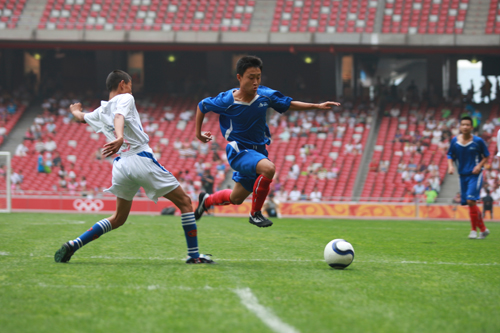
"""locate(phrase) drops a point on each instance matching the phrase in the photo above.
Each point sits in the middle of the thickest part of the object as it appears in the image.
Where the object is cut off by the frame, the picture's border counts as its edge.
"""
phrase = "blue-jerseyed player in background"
(243, 123)
(470, 153)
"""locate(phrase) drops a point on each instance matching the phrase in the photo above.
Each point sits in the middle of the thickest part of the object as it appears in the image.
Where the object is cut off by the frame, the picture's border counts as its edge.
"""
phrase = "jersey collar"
(243, 103)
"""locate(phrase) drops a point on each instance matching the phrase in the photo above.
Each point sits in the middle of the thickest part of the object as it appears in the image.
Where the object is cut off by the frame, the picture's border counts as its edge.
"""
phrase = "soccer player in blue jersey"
(242, 117)
(470, 153)
(135, 167)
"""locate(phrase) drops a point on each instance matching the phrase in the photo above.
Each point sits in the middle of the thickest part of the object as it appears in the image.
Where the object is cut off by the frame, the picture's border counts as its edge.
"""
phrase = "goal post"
(5, 186)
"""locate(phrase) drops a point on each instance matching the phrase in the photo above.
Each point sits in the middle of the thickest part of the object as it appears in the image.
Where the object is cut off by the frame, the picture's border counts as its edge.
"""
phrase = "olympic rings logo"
(88, 205)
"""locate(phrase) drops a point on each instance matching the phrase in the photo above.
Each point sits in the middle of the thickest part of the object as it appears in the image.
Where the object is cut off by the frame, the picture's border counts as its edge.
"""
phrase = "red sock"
(474, 219)
(261, 189)
(480, 222)
(220, 198)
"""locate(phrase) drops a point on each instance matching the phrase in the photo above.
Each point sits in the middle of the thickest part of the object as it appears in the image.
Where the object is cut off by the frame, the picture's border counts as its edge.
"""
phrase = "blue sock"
(191, 233)
(93, 233)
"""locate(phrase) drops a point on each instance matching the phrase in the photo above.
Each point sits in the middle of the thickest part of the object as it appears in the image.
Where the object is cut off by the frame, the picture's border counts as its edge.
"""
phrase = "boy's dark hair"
(467, 118)
(115, 77)
(248, 62)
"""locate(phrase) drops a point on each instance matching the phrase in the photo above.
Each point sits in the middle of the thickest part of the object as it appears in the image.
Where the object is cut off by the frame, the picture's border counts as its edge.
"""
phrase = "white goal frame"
(8, 194)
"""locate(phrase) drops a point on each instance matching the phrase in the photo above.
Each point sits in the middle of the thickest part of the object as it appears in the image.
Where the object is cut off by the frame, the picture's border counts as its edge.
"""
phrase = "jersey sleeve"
(484, 148)
(93, 119)
(125, 104)
(279, 102)
(451, 154)
(213, 104)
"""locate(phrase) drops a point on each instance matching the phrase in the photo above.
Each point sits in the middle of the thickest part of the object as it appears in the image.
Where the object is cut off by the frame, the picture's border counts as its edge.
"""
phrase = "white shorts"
(141, 170)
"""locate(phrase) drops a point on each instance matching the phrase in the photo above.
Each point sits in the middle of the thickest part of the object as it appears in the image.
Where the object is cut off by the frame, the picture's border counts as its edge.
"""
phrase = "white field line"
(251, 302)
(388, 262)
(106, 287)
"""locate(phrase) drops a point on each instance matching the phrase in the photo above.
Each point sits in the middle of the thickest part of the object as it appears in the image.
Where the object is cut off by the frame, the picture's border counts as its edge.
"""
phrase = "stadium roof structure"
(325, 23)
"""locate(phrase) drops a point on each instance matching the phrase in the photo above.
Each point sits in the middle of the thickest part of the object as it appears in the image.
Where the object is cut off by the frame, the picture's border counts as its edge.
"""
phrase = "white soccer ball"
(339, 253)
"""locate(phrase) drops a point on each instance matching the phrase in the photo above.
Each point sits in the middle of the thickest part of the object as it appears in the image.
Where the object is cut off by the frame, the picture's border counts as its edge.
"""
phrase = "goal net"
(5, 185)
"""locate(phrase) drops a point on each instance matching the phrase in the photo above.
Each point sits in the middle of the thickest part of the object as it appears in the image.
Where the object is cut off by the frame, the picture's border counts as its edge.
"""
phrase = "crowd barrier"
(32, 203)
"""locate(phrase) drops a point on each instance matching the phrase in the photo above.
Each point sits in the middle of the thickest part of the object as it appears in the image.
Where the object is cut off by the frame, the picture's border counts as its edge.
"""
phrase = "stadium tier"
(396, 151)
(10, 13)
(79, 148)
(493, 23)
(10, 121)
(328, 160)
(324, 16)
(425, 16)
(163, 15)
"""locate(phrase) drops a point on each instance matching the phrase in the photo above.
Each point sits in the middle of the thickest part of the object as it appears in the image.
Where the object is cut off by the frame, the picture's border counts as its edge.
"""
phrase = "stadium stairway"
(367, 156)
(477, 16)
(262, 16)
(32, 13)
(16, 136)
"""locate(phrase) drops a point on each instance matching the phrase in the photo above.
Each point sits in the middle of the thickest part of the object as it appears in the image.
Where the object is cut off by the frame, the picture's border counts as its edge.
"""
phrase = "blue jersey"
(469, 155)
(246, 122)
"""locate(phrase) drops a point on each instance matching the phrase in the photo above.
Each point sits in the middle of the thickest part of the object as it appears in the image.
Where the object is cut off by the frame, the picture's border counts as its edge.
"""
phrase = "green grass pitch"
(407, 276)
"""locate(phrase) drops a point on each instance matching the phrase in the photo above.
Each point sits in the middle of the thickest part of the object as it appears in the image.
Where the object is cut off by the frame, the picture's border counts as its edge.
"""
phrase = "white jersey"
(102, 120)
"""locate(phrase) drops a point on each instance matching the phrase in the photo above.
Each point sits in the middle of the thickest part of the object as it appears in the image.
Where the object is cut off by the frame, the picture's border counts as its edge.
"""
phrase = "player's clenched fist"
(205, 137)
(75, 107)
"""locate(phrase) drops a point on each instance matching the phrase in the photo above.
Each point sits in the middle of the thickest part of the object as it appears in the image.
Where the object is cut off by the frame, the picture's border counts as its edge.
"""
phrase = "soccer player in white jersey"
(135, 167)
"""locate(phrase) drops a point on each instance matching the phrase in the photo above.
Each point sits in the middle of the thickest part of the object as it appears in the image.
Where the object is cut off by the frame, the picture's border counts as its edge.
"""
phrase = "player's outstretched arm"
(77, 111)
(112, 147)
(299, 106)
(203, 137)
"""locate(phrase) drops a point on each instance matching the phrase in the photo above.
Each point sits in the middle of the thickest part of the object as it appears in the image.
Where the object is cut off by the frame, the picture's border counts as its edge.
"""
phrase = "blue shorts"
(470, 187)
(244, 160)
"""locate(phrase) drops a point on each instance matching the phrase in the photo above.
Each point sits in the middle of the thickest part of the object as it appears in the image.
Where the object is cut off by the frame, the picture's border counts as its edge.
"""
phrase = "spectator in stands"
(432, 168)
(348, 148)
(71, 171)
(487, 204)
(221, 171)
(271, 206)
(39, 120)
(48, 162)
(285, 135)
(358, 147)
(435, 183)
(29, 135)
(40, 163)
(72, 186)
(303, 195)
(430, 195)
(169, 115)
(402, 166)
(316, 195)
(418, 189)
(488, 127)
(394, 112)
(486, 90)
(412, 166)
(495, 164)
(16, 178)
(384, 166)
(294, 194)
(418, 177)
(83, 183)
(50, 145)
(334, 172)
(406, 175)
(63, 183)
(51, 127)
(11, 108)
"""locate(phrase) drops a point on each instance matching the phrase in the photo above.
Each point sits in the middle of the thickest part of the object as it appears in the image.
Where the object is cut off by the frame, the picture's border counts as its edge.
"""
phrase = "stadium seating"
(10, 13)
(77, 142)
(324, 16)
(155, 15)
(11, 120)
(329, 150)
(493, 23)
(389, 184)
(424, 16)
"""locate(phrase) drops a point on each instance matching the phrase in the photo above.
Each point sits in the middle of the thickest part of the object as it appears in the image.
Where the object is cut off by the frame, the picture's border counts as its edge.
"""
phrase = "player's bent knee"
(237, 201)
(268, 169)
